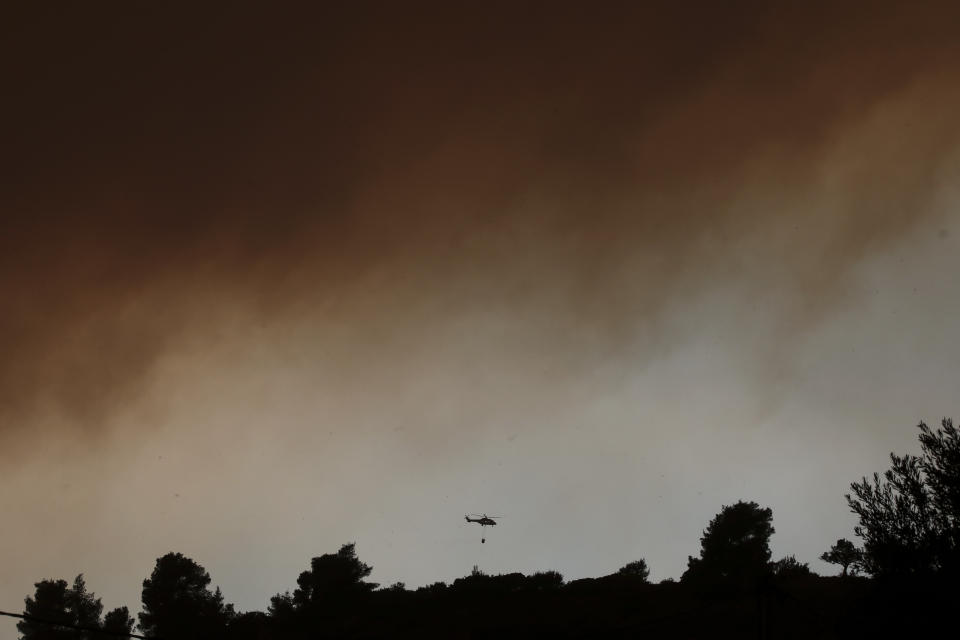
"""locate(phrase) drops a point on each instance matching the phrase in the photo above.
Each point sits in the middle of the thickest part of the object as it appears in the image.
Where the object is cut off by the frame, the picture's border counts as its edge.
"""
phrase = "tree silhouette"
(332, 575)
(49, 602)
(635, 569)
(250, 625)
(910, 516)
(281, 605)
(844, 553)
(86, 608)
(177, 603)
(54, 601)
(282, 614)
(735, 546)
(118, 621)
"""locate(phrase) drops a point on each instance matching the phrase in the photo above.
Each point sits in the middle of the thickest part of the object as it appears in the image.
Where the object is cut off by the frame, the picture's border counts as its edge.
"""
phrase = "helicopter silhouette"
(484, 521)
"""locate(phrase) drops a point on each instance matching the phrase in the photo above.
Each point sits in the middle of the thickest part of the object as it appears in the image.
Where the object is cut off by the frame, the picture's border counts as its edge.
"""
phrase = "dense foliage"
(177, 601)
(910, 515)
(72, 606)
(735, 546)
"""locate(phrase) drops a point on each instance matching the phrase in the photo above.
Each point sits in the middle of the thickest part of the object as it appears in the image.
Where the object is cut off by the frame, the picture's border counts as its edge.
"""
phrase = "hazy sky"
(273, 282)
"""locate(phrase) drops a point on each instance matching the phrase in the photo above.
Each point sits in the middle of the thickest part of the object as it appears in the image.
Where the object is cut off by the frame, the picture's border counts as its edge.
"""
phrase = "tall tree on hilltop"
(845, 554)
(332, 575)
(177, 601)
(735, 546)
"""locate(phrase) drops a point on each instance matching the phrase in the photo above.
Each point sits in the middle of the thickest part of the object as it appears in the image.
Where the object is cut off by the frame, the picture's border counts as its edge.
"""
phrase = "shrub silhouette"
(789, 568)
(544, 581)
(636, 569)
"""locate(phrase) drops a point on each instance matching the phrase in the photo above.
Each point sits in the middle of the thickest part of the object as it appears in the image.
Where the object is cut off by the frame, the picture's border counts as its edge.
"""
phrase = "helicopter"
(484, 521)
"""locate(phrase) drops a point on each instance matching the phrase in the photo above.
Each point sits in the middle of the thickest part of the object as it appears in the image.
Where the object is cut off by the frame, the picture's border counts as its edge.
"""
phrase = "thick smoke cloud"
(390, 168)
